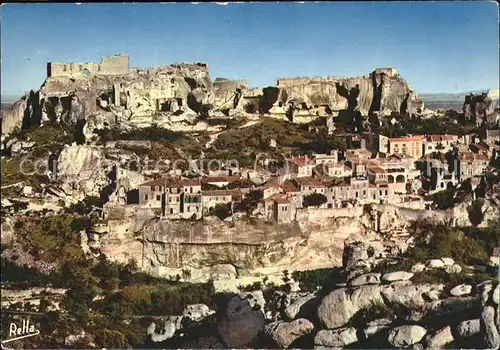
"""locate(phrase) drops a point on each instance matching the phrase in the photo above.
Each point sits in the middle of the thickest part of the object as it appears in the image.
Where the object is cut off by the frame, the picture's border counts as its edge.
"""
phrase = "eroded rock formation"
(113, 94)
(484, 109)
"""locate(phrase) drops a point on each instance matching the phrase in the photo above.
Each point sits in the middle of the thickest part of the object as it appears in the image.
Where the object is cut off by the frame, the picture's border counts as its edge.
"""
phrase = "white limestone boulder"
(436, 263)
(439, 338)
(367, 278)
(460, 290)
(418, 267)
(448, 261)
(336, 338)
(404, 336)
(397, 276)
(468, 328)
(455, 268)
(285, 333)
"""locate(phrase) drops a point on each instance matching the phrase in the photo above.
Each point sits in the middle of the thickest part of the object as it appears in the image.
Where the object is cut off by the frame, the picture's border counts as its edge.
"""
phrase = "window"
(146, 197)
(216, 198)
(386, 192)
(158, 197)
(364, 193)
(152, 188)
(190, 190)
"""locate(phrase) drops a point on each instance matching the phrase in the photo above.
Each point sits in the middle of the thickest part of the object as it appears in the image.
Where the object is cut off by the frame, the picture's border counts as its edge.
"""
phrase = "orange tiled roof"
(376, 170)
(171, 182)
(407, 138)
(213, 193)
(302, 160)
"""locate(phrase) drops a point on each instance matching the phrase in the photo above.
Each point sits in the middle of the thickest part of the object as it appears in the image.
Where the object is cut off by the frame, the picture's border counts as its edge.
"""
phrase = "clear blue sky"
(436, 46)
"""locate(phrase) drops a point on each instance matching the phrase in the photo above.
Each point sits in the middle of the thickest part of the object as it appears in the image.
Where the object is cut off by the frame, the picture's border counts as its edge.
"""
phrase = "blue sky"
(436, 46)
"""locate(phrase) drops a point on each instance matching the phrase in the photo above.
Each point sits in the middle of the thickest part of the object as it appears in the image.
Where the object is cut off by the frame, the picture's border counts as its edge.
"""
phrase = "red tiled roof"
(220, 179)
(445, 137)
(302, 160)
(407, 138)
(213, 193)
(282, 200)
(309, 181)
(376, 170)
(171, 182)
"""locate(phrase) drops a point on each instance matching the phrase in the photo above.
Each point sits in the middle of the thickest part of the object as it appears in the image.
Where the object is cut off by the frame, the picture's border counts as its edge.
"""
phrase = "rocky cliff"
(358, 307)
(184, 88)
(383, 91)
(166, 248)
(180, 93)
(484, 109)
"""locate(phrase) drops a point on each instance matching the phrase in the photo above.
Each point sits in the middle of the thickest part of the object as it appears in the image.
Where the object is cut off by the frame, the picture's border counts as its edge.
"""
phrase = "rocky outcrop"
(285, 333)
(484, 109)
(134, 97)
(182, 92)
(383, 91)
(404, 336)
(82, 168)
(239, 323)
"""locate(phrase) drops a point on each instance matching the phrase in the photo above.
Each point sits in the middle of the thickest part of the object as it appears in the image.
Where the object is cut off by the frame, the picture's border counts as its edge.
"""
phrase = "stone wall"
(110, 65)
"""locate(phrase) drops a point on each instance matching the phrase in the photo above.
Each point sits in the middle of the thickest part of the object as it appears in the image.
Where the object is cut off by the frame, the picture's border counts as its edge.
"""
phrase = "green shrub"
(251, 287)
(310, 280)
(475, 211)
(110, 339)
(314, 200)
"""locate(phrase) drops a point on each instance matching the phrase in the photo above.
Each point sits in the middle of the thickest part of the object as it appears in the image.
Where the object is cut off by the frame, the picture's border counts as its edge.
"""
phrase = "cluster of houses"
(380, 170)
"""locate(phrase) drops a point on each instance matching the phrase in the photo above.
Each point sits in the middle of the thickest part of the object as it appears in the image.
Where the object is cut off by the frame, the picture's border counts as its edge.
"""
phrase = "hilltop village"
(144, 194)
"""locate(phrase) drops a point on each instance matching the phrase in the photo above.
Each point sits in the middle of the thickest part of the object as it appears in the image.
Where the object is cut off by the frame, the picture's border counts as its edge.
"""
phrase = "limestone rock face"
(84, 168)
(302, 306)
(397, 276)
(439, 338)
(461, 289)
(240, 323)
(404, 336)
(196, 312)
(483, 108)
(285, 333)
(383, 90)
(488, 328)
(139, 96)
(169, 328)
(468, 328)
(368, 278)
(336, 338)
(337, 308)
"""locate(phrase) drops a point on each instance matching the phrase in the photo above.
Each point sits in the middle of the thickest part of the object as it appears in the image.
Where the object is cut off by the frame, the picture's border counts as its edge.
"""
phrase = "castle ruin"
(110, 65)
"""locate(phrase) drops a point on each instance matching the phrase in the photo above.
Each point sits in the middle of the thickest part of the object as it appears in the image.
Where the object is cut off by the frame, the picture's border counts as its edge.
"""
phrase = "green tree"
(314, 200)
(223, 211)
(475, 211)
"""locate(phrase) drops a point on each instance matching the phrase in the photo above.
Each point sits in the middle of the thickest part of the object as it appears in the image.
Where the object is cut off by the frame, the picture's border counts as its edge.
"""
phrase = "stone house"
(301, 166)
(280, 208)
(333, 169)
(283, 210)
(471, 164)
(438, 143)
(332, 157)
(210, 199)
(173, 197)
(407, 145)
